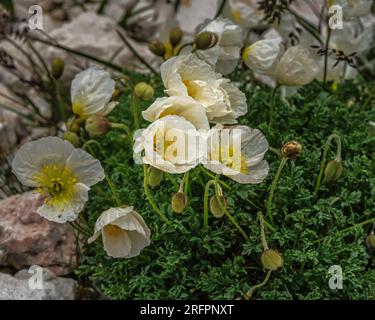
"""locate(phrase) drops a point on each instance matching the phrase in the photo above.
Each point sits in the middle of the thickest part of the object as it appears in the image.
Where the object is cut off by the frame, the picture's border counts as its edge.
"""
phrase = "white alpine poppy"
(186, 107)
(224, 55)
(263, 55)
(91, 91)
(188, 76)
(124, 232)
(352, 8)
(243, 12)
(171, 144)
(61, 173)
(297, 67)
(237, 152)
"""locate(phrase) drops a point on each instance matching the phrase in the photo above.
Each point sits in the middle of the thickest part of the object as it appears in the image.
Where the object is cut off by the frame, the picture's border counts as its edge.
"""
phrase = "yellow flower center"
(231, 159)
(113, 230)
(161, 145)
(56, 182)
(191, 88)
(237, 16)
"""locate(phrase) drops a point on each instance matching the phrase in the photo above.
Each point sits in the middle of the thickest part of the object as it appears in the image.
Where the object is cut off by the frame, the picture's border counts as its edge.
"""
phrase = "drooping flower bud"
(333, 171)
(175, 36)
(272, 260)
(74, 125)
(215, 208)
(291, 150)
(57, 68)
(144, 91)
(155, 176)
(72, 138)
(97, 125)
(370, 241)
(179, 202)
(205, 40)
(157, 48)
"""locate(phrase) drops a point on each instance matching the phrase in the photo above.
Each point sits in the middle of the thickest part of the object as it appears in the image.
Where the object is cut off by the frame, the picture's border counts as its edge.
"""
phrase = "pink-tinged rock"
(28, 239)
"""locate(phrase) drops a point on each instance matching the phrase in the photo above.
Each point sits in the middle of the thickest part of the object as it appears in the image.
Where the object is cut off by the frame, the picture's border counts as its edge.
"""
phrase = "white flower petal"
(87, 169)
(33, 156)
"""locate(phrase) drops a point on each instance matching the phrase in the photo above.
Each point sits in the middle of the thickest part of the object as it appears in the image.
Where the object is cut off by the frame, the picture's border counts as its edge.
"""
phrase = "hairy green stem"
(205, 202)
(272, 105)
(123, 127)
(250, 293)
(326, 57)
(273, 187)
(149, 197)
(262, 232)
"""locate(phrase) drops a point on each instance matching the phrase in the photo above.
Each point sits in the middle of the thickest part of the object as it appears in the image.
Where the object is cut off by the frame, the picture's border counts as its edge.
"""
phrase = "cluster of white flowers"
(179, 137)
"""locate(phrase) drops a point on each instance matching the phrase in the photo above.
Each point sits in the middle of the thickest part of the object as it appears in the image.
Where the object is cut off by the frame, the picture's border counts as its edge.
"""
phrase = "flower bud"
(205, 40)
(291, 150)
(72, 138)
(144, 91)
(175, 36)
(97, 125)
(179, 202)
(57, 68)
(370, 241)
(271, 260)
(157, 48)
(74, 125)
(215, 208)
(155, 176)
(333, 171)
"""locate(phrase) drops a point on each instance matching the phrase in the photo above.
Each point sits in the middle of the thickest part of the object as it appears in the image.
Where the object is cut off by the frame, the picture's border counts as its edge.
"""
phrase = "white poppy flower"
(262, 56)
(171, 144)
(352, 8)
(124, 232)
(297, 67)
(237, 152)
(185, 107)
(243, 12)
(91, 92)
(188, 76)
(61, 173)
(225, 54)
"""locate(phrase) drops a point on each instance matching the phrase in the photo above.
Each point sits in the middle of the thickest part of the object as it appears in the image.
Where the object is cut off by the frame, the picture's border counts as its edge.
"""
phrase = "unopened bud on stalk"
(97, 125)
(144, 91)
(74, 125)
(333, 171)
(157, 48)
(272, 260)
(370, 240)
(291, 150)
(179, 202)
(57, 68)
(155, 176)
(205, 40)
(215, 208)
(72, 138)
(175, 36)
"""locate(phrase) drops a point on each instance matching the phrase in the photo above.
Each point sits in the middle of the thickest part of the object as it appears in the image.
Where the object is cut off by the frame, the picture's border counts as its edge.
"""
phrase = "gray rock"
(20, 287)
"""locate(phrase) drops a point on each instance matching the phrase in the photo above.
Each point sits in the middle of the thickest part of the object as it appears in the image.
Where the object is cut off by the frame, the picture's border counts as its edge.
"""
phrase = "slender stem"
(209, 174)
(186, 182)
(250, 293)
(149, 197)
(79, 229)
(221, 8)
(136, 53)
(183, 47)
(134, 105)
(272, 105)
(113, 191)
(96, 143)
(326, 57)
(273, 187)
(262, 233)
(222, 207)
(124, 127)
(78, 53)
(205, 202)
(346, 229)
(324, 159)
